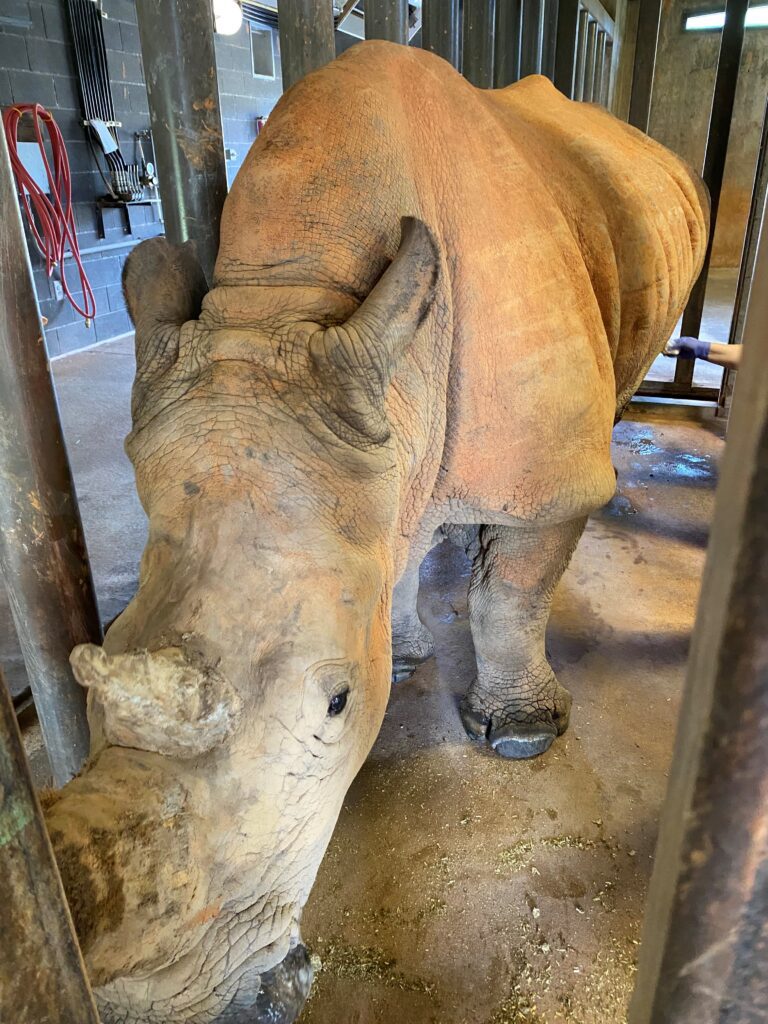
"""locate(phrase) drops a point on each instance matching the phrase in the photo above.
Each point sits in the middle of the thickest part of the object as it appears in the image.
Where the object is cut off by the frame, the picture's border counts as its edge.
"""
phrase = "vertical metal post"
(597, 85)
(530, 49)
(549, 20)
(387, 19)
(581, 56)
(440, 29)
(506, 64)
(479, 33)
(703, 957)
(42, 975)
(748, 256)
(747, 265)
(565, 49)
(605, 98)
(589, 63)
(180, 69)
(648, 22)
(42, 550)
(726, 81)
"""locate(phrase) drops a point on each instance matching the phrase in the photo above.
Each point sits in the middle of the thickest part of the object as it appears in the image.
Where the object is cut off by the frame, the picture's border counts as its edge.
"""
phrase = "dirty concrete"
(460, 888)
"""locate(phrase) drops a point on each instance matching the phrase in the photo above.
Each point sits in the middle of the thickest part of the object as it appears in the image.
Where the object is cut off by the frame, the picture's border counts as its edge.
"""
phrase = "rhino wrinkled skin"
(429, 306)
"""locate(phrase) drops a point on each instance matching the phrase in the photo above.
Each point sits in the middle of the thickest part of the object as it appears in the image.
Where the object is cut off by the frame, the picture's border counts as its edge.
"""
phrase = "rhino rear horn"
(356, 361)
(164, 287)
(157, 700)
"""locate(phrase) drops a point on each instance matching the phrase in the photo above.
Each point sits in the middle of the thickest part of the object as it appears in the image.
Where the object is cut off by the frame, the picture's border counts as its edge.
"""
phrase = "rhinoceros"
(429, 306)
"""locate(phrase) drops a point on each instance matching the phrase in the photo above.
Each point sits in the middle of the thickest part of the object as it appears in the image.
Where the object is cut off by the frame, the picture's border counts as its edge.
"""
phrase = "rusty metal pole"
(479, 36)
(440, 29)
(42, 550)
(648, 24)
(721, 117)
(509, 27)
(180, 68)
(387, 19)
(306, 37)
(42, 974)
(704, 956)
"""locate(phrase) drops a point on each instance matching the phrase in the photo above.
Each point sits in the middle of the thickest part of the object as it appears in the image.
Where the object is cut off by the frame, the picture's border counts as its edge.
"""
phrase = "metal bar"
(565, 47)
(344, 13)
(387, 19)
(42, 974)
(42, 550)
(479, 36)
(506, 65)
(668, 389)
(607, 71)
(589, 63)
(185, 115)
(649, 20)
(597, 84)
(440, 29)
(748, 255)
(581, 56)
(530, 47)
(726, 81)
(549, 20)
(703, 957)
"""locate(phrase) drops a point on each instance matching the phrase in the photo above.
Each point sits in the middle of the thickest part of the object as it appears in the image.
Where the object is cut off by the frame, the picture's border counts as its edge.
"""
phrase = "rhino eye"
(338, 703)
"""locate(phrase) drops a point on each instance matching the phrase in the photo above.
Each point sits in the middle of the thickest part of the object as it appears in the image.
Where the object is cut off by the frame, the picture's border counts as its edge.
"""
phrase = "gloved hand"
(688, 348)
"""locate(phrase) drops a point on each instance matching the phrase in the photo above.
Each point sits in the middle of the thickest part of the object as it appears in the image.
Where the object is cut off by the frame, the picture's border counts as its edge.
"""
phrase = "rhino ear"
(356, 361)
(164, 286)
(157, 700)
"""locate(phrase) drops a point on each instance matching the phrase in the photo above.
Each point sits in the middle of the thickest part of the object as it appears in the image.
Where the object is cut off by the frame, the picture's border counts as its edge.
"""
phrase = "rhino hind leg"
(515, 703)
(412, 642)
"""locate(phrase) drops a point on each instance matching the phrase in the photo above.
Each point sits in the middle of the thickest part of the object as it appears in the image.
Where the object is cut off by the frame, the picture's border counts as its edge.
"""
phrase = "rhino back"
(568, 246)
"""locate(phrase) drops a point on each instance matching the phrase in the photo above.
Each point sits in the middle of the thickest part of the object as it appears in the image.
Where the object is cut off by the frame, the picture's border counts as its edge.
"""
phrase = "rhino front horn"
(157, 700)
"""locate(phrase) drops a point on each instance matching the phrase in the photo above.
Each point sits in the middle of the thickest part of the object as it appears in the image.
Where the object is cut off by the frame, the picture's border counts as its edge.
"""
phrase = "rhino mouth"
(284, 989)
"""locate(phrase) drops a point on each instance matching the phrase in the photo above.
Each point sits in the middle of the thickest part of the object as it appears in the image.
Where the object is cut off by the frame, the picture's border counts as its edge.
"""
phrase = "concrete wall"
(682, 98)
(37, 65)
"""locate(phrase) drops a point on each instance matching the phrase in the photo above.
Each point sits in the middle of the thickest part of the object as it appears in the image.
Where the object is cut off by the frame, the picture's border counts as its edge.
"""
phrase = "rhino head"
(238, 694)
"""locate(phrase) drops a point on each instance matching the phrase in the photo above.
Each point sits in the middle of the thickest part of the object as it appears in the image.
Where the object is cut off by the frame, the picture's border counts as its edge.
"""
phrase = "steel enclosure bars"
(440, 29)
(179, 60)
(703, 958)
(42, 975)
(42, 550)
(479, 29)
(306, 37)
(387, 19)
(726, 82)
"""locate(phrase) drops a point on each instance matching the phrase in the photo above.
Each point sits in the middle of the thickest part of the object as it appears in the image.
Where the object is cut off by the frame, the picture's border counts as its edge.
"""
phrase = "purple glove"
(687, 348)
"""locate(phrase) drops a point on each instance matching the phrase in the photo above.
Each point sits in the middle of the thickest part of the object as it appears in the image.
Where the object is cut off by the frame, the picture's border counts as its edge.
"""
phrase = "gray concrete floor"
(460, 888)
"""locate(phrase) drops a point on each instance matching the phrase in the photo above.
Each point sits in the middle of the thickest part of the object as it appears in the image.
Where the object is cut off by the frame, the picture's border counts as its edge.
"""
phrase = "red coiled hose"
(53, 222)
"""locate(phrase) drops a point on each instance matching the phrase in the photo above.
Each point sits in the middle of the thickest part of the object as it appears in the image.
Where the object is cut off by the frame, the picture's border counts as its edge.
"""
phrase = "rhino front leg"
(412, 642)
(516, 703)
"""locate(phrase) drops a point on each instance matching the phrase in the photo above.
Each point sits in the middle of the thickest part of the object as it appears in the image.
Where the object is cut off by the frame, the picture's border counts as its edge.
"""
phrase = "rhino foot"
(515, 730)
(404, 666)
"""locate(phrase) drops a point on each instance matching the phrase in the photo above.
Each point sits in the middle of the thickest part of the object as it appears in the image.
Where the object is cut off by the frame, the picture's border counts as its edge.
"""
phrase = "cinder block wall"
(37, 66)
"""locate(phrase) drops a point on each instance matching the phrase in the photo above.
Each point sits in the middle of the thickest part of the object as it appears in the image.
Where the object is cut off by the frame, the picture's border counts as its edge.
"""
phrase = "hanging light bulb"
(227, 16)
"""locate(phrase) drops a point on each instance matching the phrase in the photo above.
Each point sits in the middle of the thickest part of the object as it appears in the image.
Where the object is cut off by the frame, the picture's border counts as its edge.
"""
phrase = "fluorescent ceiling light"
(757, 17)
